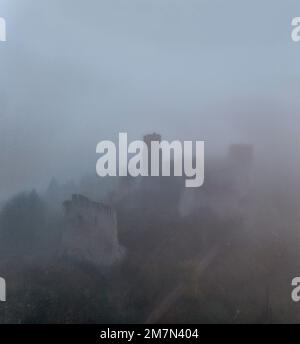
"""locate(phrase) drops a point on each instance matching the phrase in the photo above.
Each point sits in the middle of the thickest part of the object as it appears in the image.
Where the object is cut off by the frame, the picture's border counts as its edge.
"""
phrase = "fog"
(73, 73)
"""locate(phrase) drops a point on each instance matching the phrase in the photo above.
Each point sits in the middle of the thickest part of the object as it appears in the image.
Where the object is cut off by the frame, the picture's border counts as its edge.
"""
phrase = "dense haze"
(124, 250)
(75, 72)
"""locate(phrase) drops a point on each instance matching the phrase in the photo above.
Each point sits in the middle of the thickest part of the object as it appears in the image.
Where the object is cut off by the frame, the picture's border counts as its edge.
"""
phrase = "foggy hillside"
(77, 248)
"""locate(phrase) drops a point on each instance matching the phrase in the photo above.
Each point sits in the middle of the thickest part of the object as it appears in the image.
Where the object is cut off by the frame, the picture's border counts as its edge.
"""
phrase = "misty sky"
(75, 72)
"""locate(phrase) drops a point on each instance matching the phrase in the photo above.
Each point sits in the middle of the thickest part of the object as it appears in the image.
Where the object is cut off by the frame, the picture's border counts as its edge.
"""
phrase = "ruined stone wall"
(92, 232)
(226, 183)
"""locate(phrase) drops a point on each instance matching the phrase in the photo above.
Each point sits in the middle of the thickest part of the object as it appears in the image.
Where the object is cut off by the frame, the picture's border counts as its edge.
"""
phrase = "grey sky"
(75, 72)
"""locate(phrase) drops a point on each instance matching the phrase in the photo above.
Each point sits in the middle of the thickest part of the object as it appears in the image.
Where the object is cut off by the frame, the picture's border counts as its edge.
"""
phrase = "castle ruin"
(92, 232)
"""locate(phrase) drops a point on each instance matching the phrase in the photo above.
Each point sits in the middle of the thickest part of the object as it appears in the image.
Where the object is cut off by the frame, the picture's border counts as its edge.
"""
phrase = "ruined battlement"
(81, 202)
(241, 155)
(92, 231)
(152, 138)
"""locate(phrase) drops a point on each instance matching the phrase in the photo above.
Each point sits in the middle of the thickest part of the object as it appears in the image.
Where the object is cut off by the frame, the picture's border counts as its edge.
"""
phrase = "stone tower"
(92, 233)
